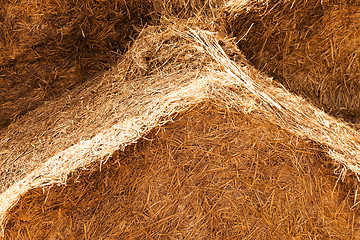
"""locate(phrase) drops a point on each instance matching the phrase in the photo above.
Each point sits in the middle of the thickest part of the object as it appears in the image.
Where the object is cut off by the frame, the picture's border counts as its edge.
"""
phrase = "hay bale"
(311, 47)
(169, 69)
(211, 173)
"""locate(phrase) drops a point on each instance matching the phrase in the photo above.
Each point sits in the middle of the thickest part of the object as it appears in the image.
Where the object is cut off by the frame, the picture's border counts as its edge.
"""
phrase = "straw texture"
(211, 173)
(179, 68)
(310, 46)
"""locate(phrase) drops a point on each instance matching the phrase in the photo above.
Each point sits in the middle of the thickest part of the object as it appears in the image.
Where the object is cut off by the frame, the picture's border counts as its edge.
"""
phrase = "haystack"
(182, 139)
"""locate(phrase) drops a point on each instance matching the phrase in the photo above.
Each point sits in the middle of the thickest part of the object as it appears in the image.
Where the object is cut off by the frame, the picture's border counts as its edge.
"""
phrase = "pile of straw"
(186, 92)
(311, 47)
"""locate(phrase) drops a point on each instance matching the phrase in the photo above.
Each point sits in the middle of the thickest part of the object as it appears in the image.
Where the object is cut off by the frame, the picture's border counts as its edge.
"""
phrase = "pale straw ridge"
(287, 110)
(105, 114)
(118, 136)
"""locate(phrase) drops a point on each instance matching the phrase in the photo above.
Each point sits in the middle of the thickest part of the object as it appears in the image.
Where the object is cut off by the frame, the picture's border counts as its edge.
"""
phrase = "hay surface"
(310, 46)
(170, 68)
(153, 73)
(162, 74)
(212, 173)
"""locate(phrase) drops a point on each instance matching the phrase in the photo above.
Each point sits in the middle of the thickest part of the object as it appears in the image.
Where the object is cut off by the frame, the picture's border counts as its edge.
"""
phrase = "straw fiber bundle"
(310, 46)
(179, 68)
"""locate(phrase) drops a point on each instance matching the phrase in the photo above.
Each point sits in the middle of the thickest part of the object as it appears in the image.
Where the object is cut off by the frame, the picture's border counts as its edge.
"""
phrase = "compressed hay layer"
(167, 70)
(212, 173)
(310, 46)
